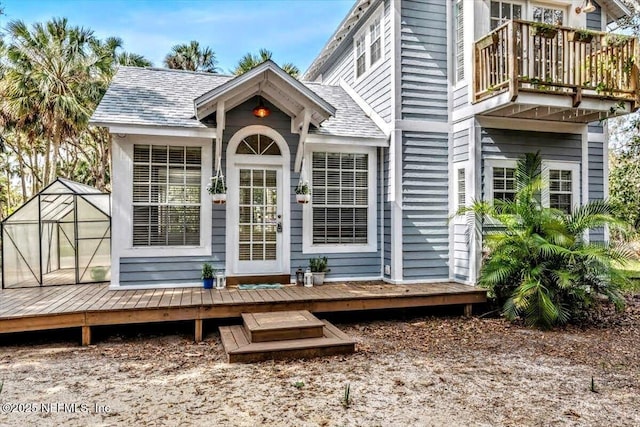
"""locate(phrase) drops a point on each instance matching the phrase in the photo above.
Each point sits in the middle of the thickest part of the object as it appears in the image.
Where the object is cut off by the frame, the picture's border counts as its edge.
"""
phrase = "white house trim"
(307, 220)
(313, 139)
(283, 162)
(122, 215)
(585, 165)
(530, 125)
(183, 132)
(422, 126)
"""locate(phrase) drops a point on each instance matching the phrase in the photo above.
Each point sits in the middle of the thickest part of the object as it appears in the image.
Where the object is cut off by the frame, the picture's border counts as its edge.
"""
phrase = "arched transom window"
(259, 145)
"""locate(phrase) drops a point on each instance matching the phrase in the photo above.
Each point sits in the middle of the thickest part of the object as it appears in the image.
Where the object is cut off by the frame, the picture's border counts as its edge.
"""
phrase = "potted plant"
(615, 40)
(217, 189)
(207, 276)
(303, 193)
(319, 268)
(98, 274)
(580, 36)
(540, 29)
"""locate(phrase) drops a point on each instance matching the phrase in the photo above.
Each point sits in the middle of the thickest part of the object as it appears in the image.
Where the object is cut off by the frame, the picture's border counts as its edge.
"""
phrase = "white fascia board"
(313, 138)
(123, 129)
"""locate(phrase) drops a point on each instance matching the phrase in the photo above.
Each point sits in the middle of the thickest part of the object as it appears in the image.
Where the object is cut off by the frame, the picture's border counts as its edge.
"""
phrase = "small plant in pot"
(207, 276)
(303, 193)
(217, 189)
(319, 267)
(98, 274)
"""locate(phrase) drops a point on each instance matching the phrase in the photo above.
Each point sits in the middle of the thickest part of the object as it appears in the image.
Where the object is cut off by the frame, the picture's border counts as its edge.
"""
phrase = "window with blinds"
(361, 64)
(340, 198)
(459, 39)
(166, 195)
(375, 35)
(462, 188)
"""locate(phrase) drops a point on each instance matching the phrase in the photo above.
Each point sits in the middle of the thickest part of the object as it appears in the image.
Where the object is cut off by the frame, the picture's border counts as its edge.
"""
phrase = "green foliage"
(346, 397)
(249, 61)
(319, 265)
(303, 188)
(207, 271)
(191, 57)
(298, 384)
(217, 186)
(539, 266)
(624, 175)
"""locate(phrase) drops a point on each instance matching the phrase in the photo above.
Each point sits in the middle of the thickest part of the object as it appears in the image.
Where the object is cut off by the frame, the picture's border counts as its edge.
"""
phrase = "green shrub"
(538, 265)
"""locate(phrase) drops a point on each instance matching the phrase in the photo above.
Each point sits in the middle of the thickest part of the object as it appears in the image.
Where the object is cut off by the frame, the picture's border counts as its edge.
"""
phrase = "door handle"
(279, 227)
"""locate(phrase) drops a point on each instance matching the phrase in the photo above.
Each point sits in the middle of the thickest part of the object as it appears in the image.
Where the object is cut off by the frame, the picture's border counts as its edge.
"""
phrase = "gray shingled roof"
(162, 97)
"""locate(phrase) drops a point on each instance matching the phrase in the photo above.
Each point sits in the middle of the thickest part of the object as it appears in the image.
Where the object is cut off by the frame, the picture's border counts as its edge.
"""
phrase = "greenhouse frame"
(61, 236)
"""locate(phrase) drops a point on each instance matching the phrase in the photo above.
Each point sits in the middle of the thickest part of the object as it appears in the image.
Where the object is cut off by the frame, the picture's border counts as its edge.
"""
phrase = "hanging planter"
(580, 36)
(544, 30)
(303, 193)
(217, 189)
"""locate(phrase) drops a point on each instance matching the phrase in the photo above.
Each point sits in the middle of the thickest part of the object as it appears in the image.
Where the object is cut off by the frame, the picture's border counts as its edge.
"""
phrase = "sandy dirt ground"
(418, 371)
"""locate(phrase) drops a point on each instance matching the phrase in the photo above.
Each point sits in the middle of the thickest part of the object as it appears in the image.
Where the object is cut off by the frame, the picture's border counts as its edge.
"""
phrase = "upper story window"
(361, 64)
(503, 11)
(368, 45)
(376, 41)
(459, 39)
(548, 15)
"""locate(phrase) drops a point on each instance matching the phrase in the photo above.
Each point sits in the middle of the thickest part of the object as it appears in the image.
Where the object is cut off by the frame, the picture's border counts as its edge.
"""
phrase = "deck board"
(43, 308)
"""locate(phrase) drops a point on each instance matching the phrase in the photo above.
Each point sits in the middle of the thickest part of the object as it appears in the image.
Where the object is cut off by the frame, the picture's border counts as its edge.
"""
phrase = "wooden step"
(239, 350)
(282, 325)
(283, 279)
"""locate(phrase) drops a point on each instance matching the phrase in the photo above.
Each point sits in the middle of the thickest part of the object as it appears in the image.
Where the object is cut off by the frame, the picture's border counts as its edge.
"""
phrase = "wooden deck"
(84, 306)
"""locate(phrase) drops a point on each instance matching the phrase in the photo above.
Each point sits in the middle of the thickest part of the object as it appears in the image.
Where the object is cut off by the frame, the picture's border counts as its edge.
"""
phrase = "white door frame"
(282, 164)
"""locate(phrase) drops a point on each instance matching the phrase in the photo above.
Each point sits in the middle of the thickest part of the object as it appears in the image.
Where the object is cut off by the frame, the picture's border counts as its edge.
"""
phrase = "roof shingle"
(163, 97)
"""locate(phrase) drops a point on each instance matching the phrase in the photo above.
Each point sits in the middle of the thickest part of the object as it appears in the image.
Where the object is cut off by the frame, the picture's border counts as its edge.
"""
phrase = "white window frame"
(561, 7)
(458, 43)
(574, 167)
(489, 164)
(123, 197)
(455, 194)
(308, 247)
(365, 30)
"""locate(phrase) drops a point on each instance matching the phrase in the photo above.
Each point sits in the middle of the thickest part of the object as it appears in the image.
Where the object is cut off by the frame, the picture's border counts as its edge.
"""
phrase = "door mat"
(260, 286)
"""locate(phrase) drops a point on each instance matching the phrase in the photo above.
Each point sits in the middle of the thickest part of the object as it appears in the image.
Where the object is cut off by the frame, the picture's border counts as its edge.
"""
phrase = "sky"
(294, 30)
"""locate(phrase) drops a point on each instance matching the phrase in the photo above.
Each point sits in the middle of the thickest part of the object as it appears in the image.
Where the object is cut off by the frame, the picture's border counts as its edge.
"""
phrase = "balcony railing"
(533, 57)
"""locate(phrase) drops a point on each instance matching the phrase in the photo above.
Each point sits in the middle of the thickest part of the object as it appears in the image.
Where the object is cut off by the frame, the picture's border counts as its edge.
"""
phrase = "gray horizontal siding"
(425, 187)
(461, 97)
(596, 181)
(166, 270)
(374, 87)
(513, 144)
(387, 212)
(461, 146)
(423, 37)
(177, 270)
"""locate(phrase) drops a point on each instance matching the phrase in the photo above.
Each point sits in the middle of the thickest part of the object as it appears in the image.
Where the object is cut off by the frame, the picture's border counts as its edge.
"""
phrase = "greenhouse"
(61, 236)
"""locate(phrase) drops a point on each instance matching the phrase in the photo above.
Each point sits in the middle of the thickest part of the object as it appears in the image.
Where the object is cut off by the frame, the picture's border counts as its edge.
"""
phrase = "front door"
(257, 203)
(259, 220)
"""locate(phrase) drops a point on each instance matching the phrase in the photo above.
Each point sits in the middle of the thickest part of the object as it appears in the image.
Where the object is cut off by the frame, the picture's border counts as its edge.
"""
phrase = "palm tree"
(191, 57)
(249, 61)
(49, 79)
(539, 265)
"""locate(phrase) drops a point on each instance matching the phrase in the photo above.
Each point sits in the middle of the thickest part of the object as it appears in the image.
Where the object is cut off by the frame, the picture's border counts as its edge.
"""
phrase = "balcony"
(535, 71)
